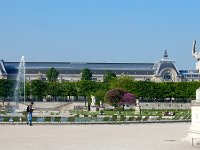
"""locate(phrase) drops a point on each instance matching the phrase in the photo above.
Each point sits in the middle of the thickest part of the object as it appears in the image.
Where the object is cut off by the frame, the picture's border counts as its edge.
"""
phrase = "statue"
(194, 129)
(196, 55)
(93, 107)
(93, 100)
(137, 107)
(100, 103)
(137, 103)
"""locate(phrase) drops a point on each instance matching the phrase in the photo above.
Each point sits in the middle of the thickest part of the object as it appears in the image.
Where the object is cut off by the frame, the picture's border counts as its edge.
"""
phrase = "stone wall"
(74, 104)
(46, 104)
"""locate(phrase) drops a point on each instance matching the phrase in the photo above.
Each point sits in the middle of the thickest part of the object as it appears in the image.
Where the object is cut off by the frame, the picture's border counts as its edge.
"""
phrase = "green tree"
(54, 89)
(108, 76)
(28, 89)
(70, 89)
(38, 89)
(99, 95)
(86, 88)
(52, 74)
(123, 82)
(86, 74)
(6, 88)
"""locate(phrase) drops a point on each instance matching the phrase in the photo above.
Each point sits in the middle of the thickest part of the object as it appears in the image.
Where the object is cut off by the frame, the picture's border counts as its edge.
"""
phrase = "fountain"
(17, 108)
(20, 84)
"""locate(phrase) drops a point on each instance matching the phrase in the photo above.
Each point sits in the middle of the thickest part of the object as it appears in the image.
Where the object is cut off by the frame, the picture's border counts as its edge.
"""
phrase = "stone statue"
(93, 100)
(194, 129)
(198, 94)
(137, 107)
(100, 103)
(196, 55)
(137, 103)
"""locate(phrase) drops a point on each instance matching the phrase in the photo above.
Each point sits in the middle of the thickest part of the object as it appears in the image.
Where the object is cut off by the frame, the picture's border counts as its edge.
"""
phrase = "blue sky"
(99, 30)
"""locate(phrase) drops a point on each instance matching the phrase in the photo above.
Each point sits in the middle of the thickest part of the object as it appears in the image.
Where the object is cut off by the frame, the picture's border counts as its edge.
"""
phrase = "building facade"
(164, 70)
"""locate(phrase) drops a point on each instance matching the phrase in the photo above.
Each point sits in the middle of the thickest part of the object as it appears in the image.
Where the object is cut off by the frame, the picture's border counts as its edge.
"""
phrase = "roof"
(77, 65)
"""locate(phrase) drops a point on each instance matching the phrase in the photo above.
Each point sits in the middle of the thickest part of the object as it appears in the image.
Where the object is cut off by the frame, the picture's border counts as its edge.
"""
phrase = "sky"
(136, 31)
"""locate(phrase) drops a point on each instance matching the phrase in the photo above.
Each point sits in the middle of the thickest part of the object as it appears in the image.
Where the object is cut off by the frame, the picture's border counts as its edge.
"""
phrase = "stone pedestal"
(137, 110)
(93, 108)
(101, 108)
(194, 129)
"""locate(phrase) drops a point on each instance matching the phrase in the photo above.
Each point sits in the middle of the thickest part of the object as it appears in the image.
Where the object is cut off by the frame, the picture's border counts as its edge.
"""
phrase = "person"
(30, 111)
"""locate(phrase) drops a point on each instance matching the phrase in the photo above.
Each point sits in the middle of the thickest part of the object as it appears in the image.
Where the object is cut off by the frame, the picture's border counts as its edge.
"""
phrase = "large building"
(161, 71)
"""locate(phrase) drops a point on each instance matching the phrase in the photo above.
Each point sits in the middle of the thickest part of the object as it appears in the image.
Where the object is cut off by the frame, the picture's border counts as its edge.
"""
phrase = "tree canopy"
(146, 90)
(52, 74)
(108, 76)
(86, 74)
(119, 97)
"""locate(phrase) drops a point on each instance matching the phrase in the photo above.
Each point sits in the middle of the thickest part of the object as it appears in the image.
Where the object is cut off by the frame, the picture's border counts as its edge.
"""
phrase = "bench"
(11, 120)
(1, 119)
(52, 119)
(63, 120)
(40, 120)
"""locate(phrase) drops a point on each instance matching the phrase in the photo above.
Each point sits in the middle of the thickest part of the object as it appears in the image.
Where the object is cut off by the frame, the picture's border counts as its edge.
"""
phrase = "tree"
(69, 89)
(123, 82)
(52, 74)
(6, 88)
(108, 76)
(85, 88)
(114, 96)
(127, 99)
(28, 89)
(99, 95)
(86, 74)
(54, 89)
(38, 89)
(144, 89)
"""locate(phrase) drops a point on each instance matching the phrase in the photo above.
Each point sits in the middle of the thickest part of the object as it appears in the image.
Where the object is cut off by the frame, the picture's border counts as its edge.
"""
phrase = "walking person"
(29, 111)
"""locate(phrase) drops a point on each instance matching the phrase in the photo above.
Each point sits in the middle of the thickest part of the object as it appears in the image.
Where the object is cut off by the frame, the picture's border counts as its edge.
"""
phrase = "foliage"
(86, 87)
(99, 95)
(69, 89)
(28, 89)
(54, 89)
(127, 99)
(86, 74)
(6, 88)
(147, 90)
(114, 96)
(108, 76)
(38, 89)
(123, 82)
(52, 75)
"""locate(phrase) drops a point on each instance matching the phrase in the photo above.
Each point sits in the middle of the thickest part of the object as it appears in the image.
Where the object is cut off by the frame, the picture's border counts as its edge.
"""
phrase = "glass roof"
(77, 65)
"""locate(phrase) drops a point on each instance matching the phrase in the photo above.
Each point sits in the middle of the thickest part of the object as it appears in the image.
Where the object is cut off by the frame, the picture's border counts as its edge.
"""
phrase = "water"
(19, 92)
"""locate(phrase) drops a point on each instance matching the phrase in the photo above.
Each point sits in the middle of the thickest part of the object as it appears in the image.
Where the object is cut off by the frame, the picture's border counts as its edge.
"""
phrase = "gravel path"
(95, 137)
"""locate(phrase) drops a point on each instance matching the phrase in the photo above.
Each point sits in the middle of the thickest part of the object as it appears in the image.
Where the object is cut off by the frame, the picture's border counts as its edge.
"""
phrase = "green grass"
(106, 119)
(71, 119)
(122, 118)
(146, 118)
(114, 118)
(139, 118)
(131, 112)
(115, 115)
(130, 118)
